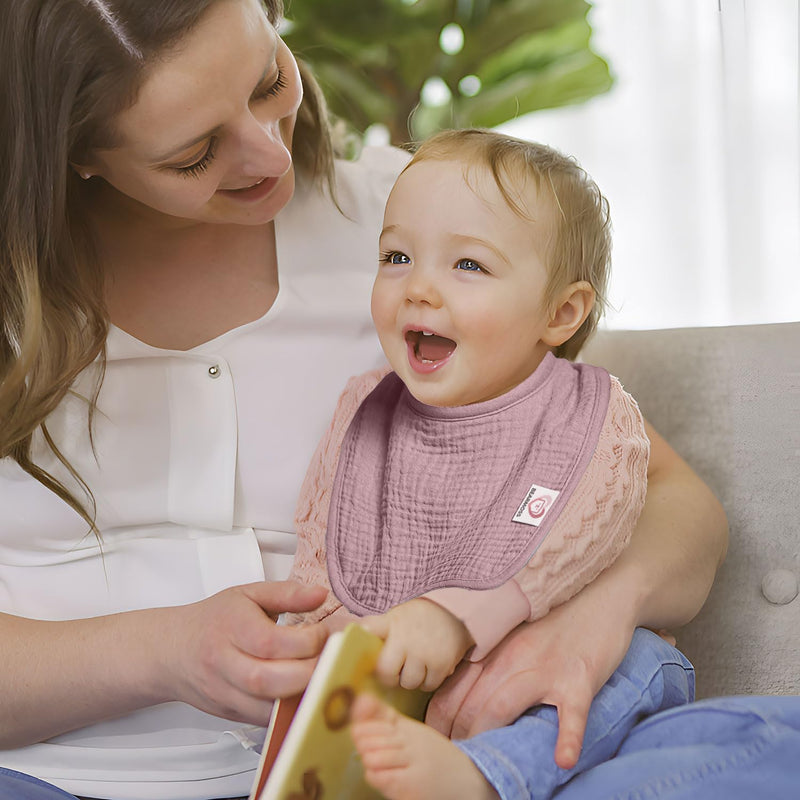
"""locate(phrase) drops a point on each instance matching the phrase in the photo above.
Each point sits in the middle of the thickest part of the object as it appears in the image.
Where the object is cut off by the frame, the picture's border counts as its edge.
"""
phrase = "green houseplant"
(417, 66)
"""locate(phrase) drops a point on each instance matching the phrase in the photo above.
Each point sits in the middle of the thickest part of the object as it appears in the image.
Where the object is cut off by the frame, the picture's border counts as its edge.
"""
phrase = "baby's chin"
(440, 395)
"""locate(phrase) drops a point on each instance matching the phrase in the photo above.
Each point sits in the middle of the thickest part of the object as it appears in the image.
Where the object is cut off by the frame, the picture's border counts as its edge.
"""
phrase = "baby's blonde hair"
(580, 246)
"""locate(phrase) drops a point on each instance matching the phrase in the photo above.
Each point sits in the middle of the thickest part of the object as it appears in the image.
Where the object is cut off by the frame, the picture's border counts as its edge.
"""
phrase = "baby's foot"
(406, 760)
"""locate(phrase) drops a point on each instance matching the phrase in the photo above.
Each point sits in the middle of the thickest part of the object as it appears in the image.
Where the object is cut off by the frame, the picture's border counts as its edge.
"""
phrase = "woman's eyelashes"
(201, 165)
(261, 93)
(271, 89)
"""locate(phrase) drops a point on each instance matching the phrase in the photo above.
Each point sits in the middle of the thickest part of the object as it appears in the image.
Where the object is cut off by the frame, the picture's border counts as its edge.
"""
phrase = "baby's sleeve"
(311, 517)
(594, 528)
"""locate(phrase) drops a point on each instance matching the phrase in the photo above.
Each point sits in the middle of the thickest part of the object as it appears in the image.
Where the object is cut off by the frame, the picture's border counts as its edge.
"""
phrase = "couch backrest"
(728, 400)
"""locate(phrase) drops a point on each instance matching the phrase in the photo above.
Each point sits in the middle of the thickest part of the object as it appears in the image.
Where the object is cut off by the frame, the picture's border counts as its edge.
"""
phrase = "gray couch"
(728, 400)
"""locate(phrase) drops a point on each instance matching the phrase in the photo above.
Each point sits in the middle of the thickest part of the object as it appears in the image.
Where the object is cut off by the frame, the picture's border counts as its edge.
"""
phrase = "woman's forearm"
(678, 544)
(224, 655)
(63, 675)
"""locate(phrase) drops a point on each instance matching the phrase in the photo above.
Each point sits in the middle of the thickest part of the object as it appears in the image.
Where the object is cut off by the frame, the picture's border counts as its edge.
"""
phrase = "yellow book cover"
(308, 753)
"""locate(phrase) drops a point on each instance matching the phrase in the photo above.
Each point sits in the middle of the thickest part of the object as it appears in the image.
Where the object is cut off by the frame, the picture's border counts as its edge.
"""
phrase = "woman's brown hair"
(67, 68)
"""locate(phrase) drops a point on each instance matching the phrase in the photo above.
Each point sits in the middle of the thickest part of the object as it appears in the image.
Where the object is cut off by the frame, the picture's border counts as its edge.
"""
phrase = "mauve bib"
(427, 497)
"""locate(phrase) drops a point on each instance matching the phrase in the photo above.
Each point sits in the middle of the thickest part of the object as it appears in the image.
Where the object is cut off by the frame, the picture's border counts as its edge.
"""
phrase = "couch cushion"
(728, 400)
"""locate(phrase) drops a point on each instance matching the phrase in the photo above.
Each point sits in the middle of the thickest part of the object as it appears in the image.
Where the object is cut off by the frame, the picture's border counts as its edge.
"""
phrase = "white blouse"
(195, 464)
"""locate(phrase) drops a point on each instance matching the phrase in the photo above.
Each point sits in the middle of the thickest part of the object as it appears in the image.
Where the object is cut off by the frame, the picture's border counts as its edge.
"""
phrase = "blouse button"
(779, 586)
(214, 371)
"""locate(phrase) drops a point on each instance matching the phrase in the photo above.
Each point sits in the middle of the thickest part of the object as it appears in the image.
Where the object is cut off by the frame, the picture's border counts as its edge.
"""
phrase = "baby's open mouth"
(430, 347)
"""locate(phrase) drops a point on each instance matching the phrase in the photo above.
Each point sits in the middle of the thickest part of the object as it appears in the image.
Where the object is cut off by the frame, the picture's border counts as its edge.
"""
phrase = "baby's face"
(457, 302)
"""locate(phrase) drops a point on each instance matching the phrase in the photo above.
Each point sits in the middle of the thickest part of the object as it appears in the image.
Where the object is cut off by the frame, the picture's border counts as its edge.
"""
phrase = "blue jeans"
(518, 759)
(16, 786)
(727, 748)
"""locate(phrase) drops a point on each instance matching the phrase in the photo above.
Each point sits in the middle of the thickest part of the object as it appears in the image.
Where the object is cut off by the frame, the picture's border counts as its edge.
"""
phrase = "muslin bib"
(427, 497)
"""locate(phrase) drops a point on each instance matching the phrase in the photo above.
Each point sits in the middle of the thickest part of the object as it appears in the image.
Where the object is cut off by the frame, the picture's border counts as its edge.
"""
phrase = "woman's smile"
(252, 193)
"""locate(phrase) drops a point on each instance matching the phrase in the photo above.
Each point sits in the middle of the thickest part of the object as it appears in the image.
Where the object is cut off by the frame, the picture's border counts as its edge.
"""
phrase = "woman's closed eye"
(263, 92)
(197, 168)
(394, 258)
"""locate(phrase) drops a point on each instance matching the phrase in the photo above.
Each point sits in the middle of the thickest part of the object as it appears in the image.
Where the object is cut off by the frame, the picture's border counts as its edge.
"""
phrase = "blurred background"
(686, 113)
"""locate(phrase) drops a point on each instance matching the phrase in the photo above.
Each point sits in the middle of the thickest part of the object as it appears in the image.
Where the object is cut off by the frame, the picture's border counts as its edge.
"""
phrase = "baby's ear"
(570, 308)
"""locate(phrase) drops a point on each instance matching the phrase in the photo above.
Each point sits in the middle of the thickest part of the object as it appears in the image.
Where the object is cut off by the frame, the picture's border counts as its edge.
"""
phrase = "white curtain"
(697, 149)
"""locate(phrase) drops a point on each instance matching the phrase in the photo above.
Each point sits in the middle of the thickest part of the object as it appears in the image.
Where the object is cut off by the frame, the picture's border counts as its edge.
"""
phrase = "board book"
(308, 753)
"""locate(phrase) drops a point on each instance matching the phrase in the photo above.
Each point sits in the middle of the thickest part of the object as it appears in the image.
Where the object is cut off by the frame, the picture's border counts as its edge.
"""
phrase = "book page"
(317, 758)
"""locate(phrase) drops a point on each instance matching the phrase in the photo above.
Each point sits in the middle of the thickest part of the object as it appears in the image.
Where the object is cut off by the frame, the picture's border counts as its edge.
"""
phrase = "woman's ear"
(83, 171)
(570, 308)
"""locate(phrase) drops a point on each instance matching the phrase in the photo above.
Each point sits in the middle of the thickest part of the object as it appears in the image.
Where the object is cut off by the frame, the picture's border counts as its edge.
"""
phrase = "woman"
(154, 244)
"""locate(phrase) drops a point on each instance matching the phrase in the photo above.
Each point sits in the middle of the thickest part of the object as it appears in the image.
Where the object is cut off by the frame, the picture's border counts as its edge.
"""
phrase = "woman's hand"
(224, 655)
(227, 656)
(561, 660)
(423, 644)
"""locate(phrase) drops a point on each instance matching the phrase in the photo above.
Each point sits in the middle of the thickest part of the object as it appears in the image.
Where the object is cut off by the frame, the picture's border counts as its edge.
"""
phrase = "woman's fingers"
(229, 657)
(262, 638)
(494, 703)
(253, 630)
(267, 679)
(573, 713)
(275, 597)
(446, 703)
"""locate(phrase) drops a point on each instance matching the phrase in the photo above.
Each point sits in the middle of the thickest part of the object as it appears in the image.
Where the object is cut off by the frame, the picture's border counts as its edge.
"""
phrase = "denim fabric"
(518, 759)
(17, 786)
(726, 748)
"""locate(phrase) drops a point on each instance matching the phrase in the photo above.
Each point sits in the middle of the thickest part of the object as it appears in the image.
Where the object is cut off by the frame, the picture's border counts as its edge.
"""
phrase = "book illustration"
(312, 787)
(309, 754)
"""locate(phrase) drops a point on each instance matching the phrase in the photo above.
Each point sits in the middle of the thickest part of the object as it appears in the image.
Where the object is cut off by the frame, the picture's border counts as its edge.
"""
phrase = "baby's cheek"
(383, 306)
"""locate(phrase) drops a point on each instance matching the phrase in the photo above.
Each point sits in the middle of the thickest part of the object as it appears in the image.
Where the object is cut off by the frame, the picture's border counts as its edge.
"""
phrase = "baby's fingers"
(379, 625)
(412, 675)
(390, 664)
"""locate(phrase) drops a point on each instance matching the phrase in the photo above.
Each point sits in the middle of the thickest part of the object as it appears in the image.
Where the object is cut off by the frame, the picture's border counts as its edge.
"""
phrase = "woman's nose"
(263, 151)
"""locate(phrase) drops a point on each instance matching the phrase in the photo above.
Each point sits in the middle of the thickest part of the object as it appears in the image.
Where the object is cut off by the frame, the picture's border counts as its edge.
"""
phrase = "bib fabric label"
(535, 506)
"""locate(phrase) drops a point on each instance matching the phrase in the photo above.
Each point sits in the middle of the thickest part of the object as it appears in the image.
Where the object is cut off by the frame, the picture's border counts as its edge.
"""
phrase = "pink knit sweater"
(589, 534)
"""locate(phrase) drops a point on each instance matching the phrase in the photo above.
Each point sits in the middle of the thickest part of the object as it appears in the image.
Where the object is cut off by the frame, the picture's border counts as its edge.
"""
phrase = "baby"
(487, 478)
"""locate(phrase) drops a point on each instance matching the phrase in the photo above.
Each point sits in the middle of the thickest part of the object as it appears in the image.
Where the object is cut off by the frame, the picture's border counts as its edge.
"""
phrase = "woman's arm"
(224, 655)
(679, 542)
(660, 581)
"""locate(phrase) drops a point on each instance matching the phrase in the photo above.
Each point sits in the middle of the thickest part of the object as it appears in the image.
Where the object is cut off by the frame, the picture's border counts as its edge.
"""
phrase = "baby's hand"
(423, 644)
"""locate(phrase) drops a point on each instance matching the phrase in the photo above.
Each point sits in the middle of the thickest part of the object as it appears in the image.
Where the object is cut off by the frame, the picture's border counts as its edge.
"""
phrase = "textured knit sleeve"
(311, 517)
(588, 536)
(597, 522)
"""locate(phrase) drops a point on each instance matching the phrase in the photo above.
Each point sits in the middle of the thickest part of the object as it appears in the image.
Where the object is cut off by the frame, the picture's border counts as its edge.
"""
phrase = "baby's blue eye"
(395, 258)
(468, 265)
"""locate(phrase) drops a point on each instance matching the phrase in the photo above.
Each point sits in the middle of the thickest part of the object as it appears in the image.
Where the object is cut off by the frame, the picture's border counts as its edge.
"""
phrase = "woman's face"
(209, 136)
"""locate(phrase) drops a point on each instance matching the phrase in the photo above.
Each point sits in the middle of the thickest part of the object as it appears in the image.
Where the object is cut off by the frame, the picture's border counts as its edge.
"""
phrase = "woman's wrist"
(620, 593)
(149, 638)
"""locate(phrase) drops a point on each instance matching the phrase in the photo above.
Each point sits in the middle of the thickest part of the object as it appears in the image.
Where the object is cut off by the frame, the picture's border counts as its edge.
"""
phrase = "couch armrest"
(728, 400)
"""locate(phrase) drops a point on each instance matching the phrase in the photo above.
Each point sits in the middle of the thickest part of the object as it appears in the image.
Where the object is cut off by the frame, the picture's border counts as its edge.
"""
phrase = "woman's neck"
(176, 286)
